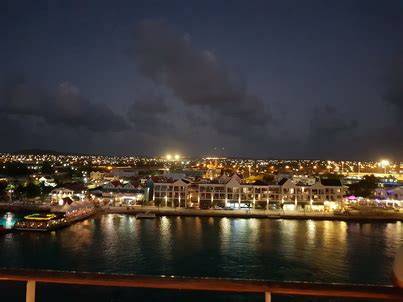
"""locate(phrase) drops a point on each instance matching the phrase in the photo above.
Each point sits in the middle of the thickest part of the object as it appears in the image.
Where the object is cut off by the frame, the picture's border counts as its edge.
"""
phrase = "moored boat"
(59, 218)
(146, 215)
(41, 222)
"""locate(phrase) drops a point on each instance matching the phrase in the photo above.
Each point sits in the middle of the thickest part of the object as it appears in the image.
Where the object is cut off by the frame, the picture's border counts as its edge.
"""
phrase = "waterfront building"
(390, 196)
(233, 192)
(124, 193)
(58, 194)
(174, 193)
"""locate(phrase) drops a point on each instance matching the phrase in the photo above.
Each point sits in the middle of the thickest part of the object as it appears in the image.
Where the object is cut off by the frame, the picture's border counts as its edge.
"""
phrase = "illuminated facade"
(124, 193)
(233, 193)
(174, 194)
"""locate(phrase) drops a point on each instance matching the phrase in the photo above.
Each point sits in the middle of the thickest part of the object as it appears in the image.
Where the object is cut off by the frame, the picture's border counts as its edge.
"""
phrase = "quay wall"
(379, 217)
(263, 214)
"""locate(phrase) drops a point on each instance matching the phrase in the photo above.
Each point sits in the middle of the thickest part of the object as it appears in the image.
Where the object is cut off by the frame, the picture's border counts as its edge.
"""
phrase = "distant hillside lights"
(174, 157)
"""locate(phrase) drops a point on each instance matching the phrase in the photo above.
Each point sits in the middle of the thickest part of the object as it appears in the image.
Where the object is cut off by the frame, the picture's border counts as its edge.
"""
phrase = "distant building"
(124, 172)
(212, 173)
(47, 181)
(174, 175)
(97, 176)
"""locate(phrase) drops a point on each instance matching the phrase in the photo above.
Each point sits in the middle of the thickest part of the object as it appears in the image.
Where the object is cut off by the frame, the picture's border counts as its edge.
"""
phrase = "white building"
(124, 193)
(390, 196)
(58, 194)
(232, 192)
(47, 181)
(173, 193)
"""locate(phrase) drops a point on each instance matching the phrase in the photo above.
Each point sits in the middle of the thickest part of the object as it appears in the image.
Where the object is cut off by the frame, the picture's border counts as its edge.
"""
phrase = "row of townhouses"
(124, 193)
(234, 193)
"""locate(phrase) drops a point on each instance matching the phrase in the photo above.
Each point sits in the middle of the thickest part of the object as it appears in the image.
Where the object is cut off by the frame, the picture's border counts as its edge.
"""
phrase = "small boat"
(146, 215)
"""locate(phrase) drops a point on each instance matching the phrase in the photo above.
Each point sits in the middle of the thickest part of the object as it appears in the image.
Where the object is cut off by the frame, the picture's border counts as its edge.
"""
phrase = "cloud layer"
(63, 106)
(186, 98)
(195, 77)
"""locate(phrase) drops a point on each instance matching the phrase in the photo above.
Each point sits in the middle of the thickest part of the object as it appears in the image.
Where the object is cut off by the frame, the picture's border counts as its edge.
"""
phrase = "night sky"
(282, 79)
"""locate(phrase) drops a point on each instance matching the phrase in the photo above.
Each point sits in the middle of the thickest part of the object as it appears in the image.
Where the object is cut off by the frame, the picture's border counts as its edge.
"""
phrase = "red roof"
(116, 183)
(136, 184)
(162, 179)
(67, 200)
(75, 186)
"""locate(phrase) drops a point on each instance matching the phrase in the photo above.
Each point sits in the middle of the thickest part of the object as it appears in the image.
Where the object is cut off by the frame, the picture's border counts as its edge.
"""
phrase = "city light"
(384, 164)
(169, 156)
(177, 156)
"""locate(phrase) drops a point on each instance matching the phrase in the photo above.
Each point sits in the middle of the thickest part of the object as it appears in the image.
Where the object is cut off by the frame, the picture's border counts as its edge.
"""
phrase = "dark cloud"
(149, 114)
(394, 88)
(332, 133)
(63, 106)
(329, 123)
(198, 80)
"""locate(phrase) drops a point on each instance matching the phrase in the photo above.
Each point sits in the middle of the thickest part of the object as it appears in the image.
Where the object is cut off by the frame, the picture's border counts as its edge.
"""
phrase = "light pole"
(384, 163)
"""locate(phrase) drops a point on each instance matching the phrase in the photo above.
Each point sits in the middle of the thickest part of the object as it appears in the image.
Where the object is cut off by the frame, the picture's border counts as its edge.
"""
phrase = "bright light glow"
(177, 156)
(169, 156)
(384, 163)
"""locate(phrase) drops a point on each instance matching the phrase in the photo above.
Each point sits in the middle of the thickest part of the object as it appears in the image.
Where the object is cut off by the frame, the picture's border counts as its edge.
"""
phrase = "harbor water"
(319, 251)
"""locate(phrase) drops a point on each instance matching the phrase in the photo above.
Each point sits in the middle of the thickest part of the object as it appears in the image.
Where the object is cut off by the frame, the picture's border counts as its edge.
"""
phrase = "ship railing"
(265, 287)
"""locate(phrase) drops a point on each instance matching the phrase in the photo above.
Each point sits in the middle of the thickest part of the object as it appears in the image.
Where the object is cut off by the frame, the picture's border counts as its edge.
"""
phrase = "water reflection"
(288, 231)
(309, 250)
(393, 234)
(311, 232)
(8, 220)
(166, 238)
(225, 230)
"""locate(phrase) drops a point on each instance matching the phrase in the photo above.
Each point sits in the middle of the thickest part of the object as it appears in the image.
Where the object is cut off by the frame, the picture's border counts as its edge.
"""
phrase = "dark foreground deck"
(31, 277)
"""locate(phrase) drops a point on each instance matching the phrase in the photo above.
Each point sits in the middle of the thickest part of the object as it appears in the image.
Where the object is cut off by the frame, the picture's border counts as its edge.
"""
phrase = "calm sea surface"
(328, 251)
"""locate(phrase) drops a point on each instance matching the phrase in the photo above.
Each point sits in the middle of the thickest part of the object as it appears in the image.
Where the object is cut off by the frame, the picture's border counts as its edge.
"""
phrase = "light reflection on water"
(165, 239)
(7, 220)
(329, 251)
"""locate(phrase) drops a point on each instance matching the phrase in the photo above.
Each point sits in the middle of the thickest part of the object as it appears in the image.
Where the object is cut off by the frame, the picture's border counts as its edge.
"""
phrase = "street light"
(384, 163)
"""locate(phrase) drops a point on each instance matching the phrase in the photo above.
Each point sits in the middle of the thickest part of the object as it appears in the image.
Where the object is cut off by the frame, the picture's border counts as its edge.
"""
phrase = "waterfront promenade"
(378, 216)
(264, 214)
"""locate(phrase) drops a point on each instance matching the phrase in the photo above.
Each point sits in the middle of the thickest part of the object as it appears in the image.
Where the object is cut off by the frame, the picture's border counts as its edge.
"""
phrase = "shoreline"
(23, 207)
(259, 214)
